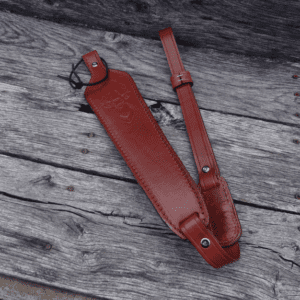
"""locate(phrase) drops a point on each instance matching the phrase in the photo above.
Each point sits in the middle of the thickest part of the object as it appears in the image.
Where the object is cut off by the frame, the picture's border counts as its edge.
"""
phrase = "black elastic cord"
(80, 84)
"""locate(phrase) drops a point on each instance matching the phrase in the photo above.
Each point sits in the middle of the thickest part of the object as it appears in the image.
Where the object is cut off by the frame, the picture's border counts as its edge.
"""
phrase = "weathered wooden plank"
(235, 84)
(12, 288)
(70, 241)
(253, 28)
(257, 158)
(105, 238)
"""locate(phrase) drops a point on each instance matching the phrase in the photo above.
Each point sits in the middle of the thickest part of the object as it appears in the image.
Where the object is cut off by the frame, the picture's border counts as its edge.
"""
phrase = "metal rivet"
(94, 64)
(180, 77)
(205, 169)
(84, 151)
(205, 243)
(70, 188)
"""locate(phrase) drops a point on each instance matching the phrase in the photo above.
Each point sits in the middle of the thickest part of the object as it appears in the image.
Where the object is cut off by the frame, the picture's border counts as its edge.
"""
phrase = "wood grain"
(128, 252)
(34, 52)
(103, 237)
(259, 159)
(252, 28)
(12, 288)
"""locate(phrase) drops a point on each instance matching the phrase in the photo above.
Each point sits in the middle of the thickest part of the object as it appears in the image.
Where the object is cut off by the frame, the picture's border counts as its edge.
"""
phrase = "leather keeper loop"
(208, 181)
(180, 79)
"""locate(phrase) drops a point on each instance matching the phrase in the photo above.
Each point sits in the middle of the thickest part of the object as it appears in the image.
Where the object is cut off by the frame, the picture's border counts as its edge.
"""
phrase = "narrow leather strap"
(224, 227)
(200, 144)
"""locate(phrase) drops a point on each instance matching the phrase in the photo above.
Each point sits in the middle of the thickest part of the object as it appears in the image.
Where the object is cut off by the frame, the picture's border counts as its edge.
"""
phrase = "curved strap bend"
(207, 245)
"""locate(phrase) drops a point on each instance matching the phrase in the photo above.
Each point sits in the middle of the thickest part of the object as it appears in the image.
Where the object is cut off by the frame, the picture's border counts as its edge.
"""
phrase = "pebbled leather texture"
(131, 126)
(224, 227)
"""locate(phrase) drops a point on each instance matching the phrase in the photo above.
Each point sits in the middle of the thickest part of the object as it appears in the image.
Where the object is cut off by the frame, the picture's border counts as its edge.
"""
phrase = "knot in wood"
(85, 151)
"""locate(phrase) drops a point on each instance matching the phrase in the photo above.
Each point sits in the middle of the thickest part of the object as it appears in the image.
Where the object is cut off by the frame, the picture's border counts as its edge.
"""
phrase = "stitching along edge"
(237, 233)
(135, 173)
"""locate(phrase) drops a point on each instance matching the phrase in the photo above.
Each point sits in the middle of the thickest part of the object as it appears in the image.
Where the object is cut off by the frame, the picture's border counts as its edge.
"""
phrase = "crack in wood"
(267, 208)
(289, 260)
(275, 284)
(156, 108)
(265, 248)
(29, 241)
(46, 178)
(61, 166)
(43, 180)
(20, 198)
(235, 201)
(22, 288)
(112, 214)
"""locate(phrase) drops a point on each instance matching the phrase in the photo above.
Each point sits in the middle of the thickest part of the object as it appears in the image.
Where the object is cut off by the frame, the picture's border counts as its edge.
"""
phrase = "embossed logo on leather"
(116, 100)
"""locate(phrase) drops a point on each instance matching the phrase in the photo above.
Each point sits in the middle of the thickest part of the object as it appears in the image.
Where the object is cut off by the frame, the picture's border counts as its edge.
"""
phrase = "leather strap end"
(165, 31)
(97, 69)
(207, 245)
(95, 65)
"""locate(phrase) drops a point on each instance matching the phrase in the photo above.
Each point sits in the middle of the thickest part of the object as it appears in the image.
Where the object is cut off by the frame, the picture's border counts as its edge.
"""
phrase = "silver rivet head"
(205, 169)
(205, 243)
(94, 64)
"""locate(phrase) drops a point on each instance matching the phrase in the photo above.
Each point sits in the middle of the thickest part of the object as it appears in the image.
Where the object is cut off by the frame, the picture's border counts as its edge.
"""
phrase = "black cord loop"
(80, 84)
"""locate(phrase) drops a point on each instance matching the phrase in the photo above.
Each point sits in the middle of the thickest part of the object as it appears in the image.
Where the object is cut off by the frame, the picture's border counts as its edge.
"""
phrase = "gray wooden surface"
(105, 239)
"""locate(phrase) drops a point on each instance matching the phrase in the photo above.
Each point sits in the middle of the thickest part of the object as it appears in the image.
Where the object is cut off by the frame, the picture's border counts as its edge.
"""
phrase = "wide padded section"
(134, 131)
